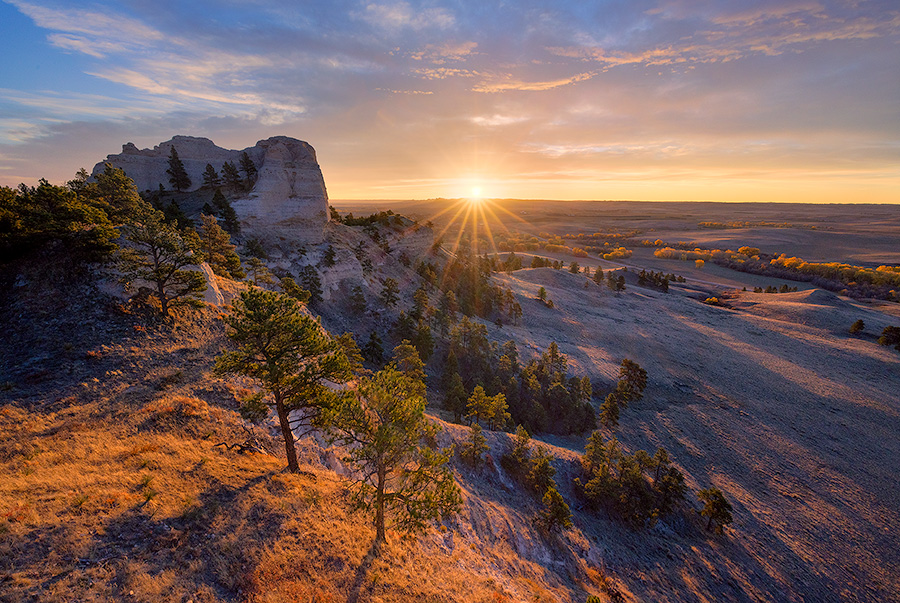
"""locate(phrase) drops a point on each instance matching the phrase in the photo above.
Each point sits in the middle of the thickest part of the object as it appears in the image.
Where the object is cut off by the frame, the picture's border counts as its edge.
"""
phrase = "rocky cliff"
(288, 200)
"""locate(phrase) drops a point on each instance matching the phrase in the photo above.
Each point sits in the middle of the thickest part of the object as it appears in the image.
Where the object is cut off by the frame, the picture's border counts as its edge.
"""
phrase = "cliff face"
(288, 200)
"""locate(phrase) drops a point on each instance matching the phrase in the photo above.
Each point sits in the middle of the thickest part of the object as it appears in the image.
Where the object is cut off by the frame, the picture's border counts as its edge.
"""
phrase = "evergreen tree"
(716, 508)
(220, 202)
(231, 177)
(328, 257)
(113, 191)
(455, 396)
(890, 336)
(541, 472)
(406, 360)
(290, 287)
(555, 514)
(423, 340)
(291, 358)
(230, 220)
(474, 447)
(384, 427)
(258, 272)
(489, 409)
(857, 327)
(31, 217)
(357, 301)
(310, 280)
(211, 177)
(609, 411)
(249, 169)
(217, 249)
(178, 176)
(389, 293)
(353, 354)
(160, 255)
(174, 215)
(373, 350)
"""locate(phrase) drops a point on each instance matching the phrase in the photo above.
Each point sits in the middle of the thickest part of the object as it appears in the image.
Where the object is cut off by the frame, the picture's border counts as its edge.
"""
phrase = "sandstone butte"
(288, 199)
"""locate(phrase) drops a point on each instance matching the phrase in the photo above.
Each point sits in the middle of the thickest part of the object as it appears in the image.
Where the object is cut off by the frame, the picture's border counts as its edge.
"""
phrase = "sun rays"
(473, 216)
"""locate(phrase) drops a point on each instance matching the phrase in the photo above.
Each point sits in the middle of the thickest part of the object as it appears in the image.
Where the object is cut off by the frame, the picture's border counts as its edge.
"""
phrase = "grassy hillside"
(122, 480)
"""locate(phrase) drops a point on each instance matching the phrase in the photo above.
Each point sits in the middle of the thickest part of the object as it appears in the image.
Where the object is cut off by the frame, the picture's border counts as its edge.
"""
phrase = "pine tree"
(159, 254)
(555, 515)
(210, 177)
(357, 301)
(373, 350)
(328, 257)
(219, 201)
(231, 176)
(310, 280)
(217, 249)
(716, 508)
(383, 425)
(291, 358)
(475, 446)
(290, 287)
(258, 272)
(249, 169)
(389, 293)
(178, 176)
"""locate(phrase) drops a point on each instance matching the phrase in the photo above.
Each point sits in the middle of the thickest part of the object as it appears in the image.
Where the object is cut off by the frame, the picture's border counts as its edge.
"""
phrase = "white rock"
(288, 201)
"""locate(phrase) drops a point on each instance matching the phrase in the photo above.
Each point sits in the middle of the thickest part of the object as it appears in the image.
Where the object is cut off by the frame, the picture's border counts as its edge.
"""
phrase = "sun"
(476, 192)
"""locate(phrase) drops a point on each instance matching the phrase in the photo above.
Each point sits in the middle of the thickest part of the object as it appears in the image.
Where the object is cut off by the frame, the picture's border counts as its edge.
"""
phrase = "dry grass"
(115, 488)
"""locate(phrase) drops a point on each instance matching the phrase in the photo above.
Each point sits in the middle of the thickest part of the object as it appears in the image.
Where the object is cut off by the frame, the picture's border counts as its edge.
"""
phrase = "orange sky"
(790, 100)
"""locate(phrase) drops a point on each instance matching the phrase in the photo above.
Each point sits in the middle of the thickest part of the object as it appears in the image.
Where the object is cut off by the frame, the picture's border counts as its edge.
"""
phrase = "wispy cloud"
(507, 82)
(399, 15)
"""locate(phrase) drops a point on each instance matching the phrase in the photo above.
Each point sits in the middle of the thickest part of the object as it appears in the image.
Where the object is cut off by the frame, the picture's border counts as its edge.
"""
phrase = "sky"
(717, 100)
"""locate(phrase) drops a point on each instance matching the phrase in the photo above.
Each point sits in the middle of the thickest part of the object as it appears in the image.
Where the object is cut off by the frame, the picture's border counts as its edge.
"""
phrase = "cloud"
(399, 15)
(496, 120)
(88, 22)
(442, 73)
(769, 30)
(506, 83)
(440, 54)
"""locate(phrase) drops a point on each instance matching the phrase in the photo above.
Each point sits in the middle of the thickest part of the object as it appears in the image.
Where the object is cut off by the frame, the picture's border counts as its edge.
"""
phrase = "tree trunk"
(163, 300)
(289, 447)
(379, 509)
(709, 523)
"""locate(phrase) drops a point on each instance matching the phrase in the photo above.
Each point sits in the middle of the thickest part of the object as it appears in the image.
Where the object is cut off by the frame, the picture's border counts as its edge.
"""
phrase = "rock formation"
(288, 200)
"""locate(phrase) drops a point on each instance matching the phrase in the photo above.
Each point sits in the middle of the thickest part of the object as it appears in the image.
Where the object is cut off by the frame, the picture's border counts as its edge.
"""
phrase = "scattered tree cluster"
(638, 488)
(539, 395)
(890, 336)
(773, 289)
(629, 388)
(531, 466)
(656, 279)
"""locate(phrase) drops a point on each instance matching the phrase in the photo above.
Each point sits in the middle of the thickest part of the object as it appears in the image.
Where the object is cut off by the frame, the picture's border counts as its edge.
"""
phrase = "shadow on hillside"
(361, 573)
(211, 539)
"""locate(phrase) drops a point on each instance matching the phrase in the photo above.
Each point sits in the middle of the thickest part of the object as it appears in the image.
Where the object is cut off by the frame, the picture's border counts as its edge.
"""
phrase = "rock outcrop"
(288, 200)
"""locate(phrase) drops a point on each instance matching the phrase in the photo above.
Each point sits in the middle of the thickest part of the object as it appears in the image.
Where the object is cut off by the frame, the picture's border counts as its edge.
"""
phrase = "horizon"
(647, 102)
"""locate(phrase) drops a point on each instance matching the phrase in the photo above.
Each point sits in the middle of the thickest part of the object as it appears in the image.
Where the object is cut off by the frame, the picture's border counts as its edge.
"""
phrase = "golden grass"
(119, 491)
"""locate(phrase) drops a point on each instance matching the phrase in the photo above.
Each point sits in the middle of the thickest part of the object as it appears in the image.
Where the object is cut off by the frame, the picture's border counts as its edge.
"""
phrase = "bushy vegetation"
(638, 488)
(539, 395)
(890, 336)
(629, 388)
(532, 468)
(882, 282)
(773, 289)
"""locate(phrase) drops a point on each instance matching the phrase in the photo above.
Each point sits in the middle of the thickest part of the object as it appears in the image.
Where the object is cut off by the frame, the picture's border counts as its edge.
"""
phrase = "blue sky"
(681, 99)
